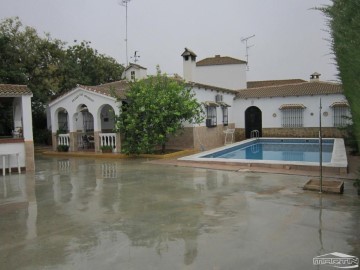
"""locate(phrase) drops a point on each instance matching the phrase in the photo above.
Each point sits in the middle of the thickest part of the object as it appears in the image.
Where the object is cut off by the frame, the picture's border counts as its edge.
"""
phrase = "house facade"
(234, 109)
(16, 134)
(84, 117)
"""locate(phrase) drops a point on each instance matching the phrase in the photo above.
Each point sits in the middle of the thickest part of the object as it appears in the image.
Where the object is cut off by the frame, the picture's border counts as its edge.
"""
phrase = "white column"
(27, 118)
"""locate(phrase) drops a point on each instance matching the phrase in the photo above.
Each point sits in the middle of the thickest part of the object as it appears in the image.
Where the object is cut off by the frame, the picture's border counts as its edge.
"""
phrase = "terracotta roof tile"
(14, 90)
(219, 60)
(119, 88)
(255, 84)
(210, 87)
(299, 89)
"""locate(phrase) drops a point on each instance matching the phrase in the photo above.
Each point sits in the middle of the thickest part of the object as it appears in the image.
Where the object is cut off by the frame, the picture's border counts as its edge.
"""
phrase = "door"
(253, 121)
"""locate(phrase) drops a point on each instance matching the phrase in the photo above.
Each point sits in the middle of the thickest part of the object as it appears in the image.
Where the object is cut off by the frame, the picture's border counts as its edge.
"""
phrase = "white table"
(8, 155)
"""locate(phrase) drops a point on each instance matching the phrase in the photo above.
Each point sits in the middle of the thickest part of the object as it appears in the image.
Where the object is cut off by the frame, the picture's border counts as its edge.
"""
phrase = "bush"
(62, 148)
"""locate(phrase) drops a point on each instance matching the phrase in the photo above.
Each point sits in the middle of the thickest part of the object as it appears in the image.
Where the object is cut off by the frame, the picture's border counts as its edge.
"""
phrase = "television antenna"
(247, 49)
(124, 3)
(135, 57)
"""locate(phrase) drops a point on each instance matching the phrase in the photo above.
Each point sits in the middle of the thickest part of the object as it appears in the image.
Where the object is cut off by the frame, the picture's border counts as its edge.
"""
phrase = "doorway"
(253, 121)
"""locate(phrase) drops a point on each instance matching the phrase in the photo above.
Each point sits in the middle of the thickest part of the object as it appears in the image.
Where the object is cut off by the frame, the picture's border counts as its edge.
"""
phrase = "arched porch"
(84, 121)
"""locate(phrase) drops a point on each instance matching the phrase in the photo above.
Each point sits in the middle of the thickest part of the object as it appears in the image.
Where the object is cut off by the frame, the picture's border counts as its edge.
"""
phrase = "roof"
(188, 52)
(14, 90)
(255, 84)
(118, 88)
(219, 60)
(299, 89)
(108, 89)
(135, 66)
(343, 103)
(292, 106)
(210, 87)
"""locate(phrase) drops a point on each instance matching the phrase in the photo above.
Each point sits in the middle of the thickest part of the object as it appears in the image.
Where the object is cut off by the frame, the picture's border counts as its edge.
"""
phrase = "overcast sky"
(290, 38)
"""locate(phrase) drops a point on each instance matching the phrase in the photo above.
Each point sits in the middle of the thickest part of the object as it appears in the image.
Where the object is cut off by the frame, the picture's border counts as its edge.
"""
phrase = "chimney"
(315, 77)
(189, 64)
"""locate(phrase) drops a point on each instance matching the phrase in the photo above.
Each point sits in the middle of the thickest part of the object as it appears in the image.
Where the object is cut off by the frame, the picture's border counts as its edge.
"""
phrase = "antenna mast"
(247, 50)
(124, 3)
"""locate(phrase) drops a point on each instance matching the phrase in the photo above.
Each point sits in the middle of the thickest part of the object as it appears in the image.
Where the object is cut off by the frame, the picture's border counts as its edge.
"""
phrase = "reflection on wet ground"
(126, 214)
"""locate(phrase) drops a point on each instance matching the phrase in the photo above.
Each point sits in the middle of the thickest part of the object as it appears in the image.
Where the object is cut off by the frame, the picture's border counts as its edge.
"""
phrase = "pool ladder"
(255, 134)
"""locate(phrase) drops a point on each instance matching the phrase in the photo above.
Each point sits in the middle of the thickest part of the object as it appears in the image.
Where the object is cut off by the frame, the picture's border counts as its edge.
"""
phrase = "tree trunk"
(163, 148)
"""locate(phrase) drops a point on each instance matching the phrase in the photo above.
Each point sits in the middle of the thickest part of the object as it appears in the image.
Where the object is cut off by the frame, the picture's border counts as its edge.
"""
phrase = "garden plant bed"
(328, 186)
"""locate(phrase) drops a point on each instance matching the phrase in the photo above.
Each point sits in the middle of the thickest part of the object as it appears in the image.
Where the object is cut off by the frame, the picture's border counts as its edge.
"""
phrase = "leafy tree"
(48, 67)
(157, 108)
(344, 22)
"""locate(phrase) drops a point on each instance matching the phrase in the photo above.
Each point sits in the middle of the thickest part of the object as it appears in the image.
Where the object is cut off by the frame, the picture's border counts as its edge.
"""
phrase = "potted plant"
(62, 148)
(106, 149)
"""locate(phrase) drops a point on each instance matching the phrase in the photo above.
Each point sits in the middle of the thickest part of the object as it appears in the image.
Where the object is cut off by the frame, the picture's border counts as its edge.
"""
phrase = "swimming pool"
(289, 153)
(273, 149)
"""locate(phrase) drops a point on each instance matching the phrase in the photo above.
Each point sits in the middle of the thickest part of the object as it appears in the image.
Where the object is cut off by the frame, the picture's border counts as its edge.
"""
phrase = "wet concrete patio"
(76, 213)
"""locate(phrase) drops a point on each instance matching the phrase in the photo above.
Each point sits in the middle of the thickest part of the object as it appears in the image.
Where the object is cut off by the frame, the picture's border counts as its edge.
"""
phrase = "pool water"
(279, 149)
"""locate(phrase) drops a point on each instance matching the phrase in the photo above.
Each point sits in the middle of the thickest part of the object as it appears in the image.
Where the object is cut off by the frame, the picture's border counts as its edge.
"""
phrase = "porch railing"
(64, 139)
(108, 139)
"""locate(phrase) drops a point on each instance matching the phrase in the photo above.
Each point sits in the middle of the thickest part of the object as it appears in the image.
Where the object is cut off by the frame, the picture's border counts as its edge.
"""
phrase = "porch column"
(118, 143)
(97, 140)
(73, 142)
(27, 133)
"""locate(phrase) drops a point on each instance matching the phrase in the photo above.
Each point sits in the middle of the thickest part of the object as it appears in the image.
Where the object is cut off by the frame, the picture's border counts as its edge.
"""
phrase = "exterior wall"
(203, 95)
(226, 76)
(14, 146)
(140, 73)
(271, 114)
(72, 102)
(311, 132)
(199, 138)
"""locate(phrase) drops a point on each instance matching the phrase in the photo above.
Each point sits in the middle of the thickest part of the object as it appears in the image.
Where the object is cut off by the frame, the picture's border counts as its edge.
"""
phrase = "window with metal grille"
(225, 116)
(132, 75)
(341, 116)
(292, 117)
(211, 118)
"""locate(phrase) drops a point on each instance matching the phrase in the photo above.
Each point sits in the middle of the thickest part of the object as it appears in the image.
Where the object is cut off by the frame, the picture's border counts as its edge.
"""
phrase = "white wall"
(225, 76)
(270, 106)
(140, 73)
(72, 103)
(203, 95)
(13, 148)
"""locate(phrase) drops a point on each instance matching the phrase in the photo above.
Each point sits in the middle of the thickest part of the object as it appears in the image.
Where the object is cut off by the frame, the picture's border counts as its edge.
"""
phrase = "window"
(211, 119)
(292, 117)
(341, 116)
(133, 75)
(225, 116)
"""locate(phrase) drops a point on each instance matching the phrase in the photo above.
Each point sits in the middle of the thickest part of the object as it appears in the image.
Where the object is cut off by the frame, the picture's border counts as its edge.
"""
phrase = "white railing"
(108, 139)
(64, 139)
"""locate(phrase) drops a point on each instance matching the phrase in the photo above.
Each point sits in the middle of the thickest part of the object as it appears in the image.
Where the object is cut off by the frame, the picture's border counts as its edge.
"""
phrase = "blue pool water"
(278, 149)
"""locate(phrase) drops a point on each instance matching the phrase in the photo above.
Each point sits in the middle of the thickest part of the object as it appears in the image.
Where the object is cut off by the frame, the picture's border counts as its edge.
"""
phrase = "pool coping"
(338, 163)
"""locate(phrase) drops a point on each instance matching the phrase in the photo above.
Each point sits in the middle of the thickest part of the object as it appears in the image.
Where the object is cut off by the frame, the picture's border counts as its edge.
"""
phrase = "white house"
(16, 135)
(83, 118)
(219, 71)
(287, 108)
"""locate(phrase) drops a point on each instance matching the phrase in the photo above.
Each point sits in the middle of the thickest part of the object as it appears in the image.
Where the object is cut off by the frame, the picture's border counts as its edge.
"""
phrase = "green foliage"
(344, 22)
(106, 147)
(62, 148)
(47, 66)
(157, 108)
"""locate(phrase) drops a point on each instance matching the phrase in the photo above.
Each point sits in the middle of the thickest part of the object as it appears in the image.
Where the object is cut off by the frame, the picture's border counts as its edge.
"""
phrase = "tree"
(48, 67)
(156, 108)
(344, 22)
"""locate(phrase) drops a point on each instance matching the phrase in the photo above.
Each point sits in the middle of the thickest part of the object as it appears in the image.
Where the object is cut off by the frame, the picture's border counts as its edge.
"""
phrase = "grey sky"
(289, 38)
